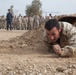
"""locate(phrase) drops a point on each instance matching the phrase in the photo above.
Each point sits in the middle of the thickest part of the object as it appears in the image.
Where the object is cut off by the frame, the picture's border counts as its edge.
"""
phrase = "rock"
(74, 66)
(9, 68)
(68, 71)
(38, 73)
(60, 69)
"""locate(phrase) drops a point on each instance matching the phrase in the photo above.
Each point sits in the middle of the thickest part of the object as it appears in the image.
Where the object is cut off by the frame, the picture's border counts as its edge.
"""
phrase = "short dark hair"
(51, 24)
(8, 9)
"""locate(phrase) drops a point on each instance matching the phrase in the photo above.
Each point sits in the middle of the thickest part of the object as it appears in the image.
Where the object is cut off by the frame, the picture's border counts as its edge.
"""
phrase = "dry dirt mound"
(32, 40)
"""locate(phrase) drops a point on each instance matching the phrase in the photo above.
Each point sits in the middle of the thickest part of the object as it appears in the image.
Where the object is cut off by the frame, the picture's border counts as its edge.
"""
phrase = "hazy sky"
(49, 6)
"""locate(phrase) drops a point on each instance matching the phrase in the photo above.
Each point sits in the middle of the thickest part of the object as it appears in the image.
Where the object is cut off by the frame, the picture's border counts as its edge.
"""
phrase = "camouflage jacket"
(67, 39)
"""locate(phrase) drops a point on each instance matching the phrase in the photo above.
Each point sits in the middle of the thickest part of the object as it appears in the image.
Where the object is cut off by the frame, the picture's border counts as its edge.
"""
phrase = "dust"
(32, 41)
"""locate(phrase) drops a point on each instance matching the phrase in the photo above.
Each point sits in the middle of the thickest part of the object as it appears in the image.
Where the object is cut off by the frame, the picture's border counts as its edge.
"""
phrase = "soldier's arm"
(67, 51)
(70, 49)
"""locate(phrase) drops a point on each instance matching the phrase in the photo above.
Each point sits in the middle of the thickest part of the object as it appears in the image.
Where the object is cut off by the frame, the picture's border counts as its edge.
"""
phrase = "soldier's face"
(53, 34)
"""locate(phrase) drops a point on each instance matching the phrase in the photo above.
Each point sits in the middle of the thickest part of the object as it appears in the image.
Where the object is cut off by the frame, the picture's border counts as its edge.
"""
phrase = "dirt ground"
(6, 35)
(24, 53)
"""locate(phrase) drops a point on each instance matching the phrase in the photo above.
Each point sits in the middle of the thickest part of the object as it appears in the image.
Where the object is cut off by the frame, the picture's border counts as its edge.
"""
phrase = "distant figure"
(9, 18)
(11, 10)
(30, 23)
(50, 16)
(20, 21)
(36, 21)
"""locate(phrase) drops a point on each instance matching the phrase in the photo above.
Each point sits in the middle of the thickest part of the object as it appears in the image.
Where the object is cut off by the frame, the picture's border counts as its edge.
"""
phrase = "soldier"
(20, 21)
(25, 22)
(41, 20)
(3, 22)
(15, 22)
(30, 23)
(55, 32)
(36, 21)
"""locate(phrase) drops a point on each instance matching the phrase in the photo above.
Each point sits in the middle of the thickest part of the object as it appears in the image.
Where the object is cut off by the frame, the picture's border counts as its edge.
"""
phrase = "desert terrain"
(24, 53)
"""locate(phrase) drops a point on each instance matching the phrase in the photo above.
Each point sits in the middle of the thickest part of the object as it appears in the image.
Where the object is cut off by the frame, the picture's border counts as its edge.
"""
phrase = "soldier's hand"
(57, 49)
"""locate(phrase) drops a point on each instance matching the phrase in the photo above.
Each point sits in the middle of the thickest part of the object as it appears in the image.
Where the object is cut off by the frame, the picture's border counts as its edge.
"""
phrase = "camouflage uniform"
(25, 22)
(67, 39)
(36, 21)
(30, 23)
(20, 22)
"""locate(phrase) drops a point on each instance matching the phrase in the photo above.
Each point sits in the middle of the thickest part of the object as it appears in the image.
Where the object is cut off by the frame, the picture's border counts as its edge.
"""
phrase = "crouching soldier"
(62, 36)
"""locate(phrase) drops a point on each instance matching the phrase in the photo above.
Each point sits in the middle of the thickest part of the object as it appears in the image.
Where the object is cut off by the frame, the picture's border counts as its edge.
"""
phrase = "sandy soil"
(23, 54)
(5, 35)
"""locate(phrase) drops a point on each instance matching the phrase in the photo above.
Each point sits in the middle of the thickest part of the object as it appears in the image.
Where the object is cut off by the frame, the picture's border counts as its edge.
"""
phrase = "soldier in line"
(20, 21)
(2, 22)
(30, 23)
(55, 31)
(41, 20)
(25, 22)
(15, 22)
(36, 21)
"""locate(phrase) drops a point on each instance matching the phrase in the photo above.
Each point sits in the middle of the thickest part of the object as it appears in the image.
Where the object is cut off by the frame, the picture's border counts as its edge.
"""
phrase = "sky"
(55, 7)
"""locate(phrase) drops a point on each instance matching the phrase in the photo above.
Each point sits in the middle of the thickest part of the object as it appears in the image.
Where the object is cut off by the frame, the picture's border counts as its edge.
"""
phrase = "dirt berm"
(29, 42)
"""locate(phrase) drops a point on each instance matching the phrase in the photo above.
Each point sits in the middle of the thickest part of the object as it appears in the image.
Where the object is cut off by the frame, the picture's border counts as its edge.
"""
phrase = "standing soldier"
(41, 20)
(25, 22)
(36, 21)
(3, 22)
(20, 21)
(30, 22)
(15, 22)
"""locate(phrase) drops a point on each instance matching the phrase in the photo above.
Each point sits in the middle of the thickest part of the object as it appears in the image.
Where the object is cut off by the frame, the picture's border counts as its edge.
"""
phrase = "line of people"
(23, 22)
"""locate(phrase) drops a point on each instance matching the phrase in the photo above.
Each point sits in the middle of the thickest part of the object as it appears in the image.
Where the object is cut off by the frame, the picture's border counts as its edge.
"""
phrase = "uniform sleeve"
(70, 31)
(70, 49)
